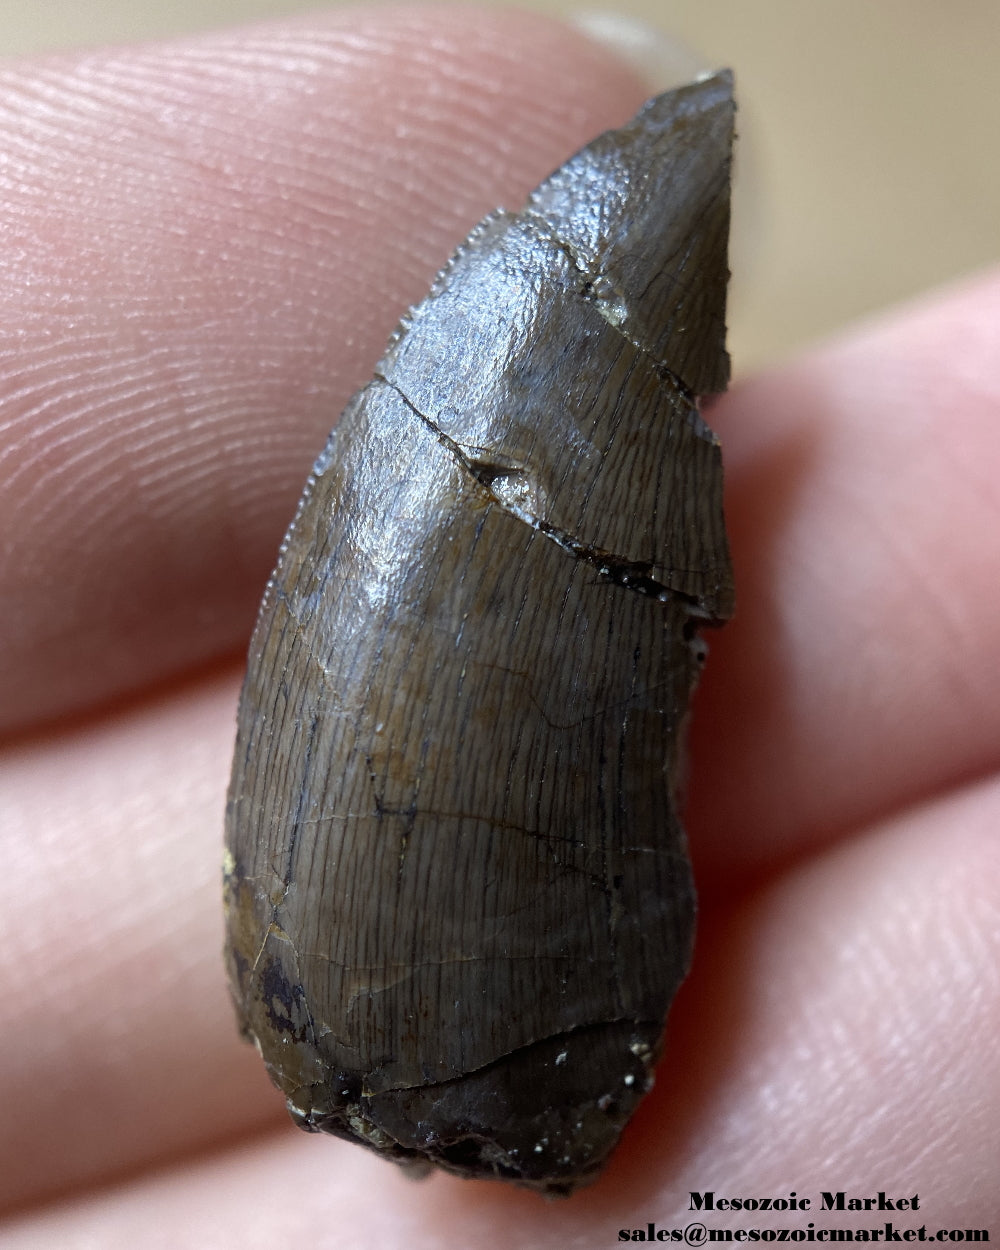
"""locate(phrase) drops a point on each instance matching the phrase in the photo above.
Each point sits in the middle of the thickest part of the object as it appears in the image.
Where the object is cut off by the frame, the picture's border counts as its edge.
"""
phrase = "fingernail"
(661, 61)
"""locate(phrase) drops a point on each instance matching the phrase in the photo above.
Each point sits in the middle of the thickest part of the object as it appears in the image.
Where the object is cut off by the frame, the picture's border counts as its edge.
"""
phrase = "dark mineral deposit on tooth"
(458, 893)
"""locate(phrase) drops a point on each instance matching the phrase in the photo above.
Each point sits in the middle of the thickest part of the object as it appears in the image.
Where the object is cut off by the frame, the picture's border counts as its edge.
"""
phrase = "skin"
(206, 246)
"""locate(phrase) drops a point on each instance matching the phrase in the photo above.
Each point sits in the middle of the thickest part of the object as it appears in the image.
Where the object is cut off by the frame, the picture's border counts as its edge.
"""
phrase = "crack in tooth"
(634, 575)
(590, 294)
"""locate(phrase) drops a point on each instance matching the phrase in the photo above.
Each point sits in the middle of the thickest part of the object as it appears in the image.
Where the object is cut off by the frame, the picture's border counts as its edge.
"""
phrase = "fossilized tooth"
(459, 900)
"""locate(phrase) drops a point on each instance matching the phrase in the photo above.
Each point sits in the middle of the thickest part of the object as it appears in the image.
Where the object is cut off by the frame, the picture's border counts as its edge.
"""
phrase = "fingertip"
(209, 242)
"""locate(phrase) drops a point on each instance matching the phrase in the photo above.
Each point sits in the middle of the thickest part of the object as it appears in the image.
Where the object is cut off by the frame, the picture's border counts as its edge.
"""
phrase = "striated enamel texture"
(458, 894)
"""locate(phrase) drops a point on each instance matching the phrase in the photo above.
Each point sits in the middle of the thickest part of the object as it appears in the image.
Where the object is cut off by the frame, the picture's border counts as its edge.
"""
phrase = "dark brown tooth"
(458, 894)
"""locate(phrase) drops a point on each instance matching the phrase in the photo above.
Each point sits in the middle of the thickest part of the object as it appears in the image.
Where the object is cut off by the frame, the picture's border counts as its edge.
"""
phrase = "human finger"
(838, 1036)
(862, 670)
(207, 243)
